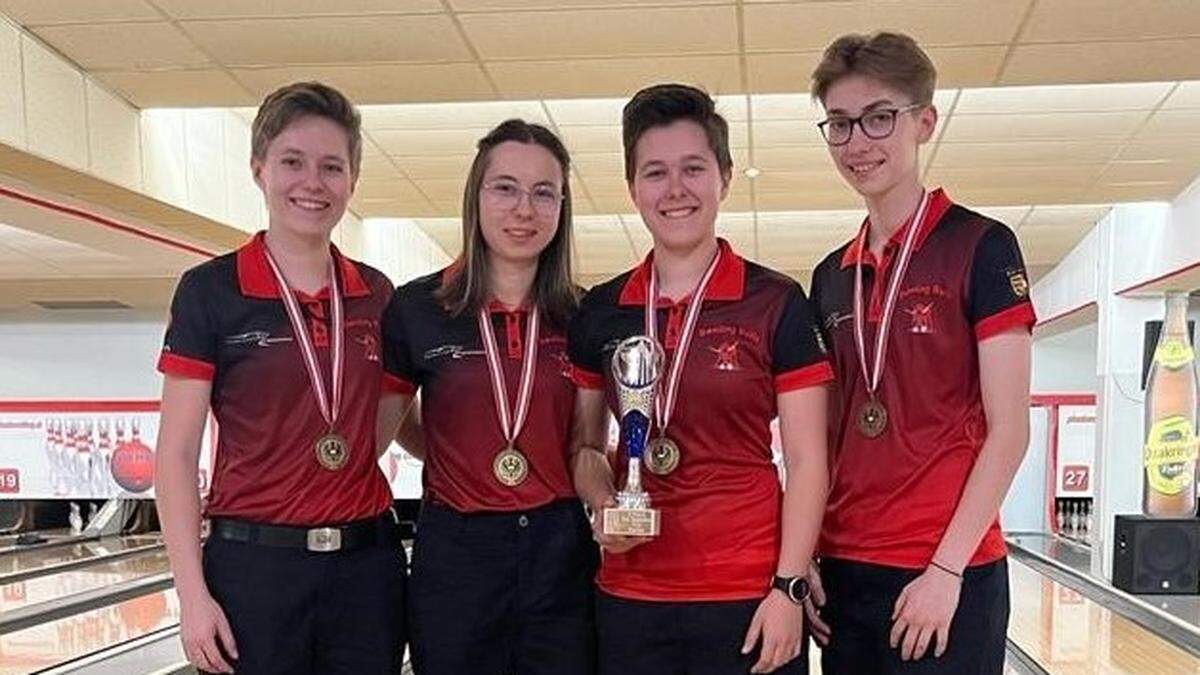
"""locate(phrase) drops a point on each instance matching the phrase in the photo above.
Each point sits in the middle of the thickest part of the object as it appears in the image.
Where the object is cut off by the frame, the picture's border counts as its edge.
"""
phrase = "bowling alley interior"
(125, 137)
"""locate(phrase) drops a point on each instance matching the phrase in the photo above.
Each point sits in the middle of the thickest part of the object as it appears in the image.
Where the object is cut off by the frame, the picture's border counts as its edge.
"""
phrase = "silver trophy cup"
(637, 366)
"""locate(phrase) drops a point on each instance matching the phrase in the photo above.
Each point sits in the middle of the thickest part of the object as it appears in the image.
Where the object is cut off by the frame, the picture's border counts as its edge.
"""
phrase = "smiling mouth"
(309, 204)
(520, 232)
(863, 168)
(682, 212)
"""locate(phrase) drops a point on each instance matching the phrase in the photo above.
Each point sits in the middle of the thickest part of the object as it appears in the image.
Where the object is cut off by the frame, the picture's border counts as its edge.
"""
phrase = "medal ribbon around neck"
(873, 376)
(663, 409)
(510, 427)
(328, 404)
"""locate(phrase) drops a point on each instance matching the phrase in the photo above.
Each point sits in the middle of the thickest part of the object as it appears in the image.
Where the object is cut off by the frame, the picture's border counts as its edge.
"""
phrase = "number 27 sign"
(1076, 478)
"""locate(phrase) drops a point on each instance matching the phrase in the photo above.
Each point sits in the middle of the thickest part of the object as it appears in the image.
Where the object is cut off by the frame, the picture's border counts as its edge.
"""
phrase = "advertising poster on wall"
(105, 449)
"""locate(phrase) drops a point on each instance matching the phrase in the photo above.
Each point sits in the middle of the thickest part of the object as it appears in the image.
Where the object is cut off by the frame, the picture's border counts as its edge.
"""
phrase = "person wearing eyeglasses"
(928, 316)
(720, 589)
(503, 560)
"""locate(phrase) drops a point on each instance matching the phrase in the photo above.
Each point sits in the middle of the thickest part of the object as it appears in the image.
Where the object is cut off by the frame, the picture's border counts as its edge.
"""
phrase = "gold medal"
(332, 451)
(662, 456)
(510, 467)
(872, 419)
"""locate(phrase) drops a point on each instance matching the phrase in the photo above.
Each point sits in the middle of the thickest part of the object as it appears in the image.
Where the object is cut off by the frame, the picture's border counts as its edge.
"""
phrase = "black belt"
(347, 537)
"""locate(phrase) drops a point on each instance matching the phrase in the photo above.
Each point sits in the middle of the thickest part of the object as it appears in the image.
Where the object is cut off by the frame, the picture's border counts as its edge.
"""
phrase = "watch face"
(798, 589)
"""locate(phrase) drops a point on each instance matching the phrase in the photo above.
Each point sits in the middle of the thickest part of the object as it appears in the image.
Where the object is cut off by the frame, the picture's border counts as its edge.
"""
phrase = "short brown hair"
(662, 104)
(299, 99)
(466, 288)
(892, 58)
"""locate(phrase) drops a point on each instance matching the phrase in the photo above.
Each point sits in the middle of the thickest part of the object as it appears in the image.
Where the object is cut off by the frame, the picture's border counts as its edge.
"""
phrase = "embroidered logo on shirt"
(1020, 284)
(921, 315)
(451, 351)
(836, 319)
(257, 338)
(370, 346)
(727, 355)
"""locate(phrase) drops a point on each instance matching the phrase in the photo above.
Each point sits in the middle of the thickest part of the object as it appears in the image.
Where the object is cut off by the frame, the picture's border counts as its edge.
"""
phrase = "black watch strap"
(795, 588)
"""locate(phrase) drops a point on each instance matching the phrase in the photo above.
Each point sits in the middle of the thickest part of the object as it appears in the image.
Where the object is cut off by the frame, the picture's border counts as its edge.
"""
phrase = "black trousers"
(860, 598)
(503, 593)
(679, 638)
(296, 612)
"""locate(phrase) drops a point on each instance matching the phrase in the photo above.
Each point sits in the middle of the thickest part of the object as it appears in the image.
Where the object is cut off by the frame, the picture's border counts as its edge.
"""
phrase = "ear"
(256, 166)
(726, 179)
(927, 119)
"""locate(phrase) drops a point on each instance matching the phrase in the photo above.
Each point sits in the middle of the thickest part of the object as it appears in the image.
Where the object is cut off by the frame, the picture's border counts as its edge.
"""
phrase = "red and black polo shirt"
(755, 338)
(892, 498)
(442, 355)
(229, 325)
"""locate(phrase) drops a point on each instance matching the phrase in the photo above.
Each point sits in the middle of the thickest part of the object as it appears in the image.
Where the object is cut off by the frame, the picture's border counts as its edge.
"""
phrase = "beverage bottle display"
(1169, 459)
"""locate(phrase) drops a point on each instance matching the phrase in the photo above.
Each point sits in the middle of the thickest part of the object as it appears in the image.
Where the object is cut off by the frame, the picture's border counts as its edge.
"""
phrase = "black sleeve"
(798, 355)
(583, 347)
(190, 344)
(999, 291)
(398, 361)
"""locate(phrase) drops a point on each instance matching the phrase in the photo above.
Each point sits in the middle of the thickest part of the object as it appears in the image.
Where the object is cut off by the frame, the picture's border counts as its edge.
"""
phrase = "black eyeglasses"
(876, 124)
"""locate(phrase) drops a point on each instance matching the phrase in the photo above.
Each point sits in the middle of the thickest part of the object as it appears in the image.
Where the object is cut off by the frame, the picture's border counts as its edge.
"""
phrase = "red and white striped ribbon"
(872, 377)
(664, 406)
(509, 426)
(328, 404)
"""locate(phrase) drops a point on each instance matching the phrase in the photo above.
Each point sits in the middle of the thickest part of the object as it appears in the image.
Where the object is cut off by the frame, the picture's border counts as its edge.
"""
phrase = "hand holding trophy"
(637, 366)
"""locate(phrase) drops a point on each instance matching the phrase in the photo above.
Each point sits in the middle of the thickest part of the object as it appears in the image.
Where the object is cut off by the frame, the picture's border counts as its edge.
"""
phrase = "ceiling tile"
(283, 42)
(1171, 124)
(591, 33)
(1186, 95)
(1062, 98)
(991, 128)
(380, 83)
(1081, 20)
(1028, 153)
(224, 9)
(124, 46)
(605, 77)
(177, 88)
(1127, 61)
(812, 25)
(40, 12)
(449, 115)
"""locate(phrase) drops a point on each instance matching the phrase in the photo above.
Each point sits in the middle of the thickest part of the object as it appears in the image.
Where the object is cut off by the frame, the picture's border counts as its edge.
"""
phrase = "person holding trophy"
(928, 316)
(503, 560)
(698, 350)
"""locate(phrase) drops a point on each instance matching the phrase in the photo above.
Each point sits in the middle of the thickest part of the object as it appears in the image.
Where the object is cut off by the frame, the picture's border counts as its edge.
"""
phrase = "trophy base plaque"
(631, 522)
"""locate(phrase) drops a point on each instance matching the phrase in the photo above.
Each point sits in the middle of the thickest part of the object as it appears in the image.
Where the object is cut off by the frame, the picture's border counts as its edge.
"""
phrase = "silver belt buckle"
(324, 539)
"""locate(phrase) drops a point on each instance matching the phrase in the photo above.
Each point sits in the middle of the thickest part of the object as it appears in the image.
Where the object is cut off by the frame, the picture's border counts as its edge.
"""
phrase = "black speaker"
(1157, 555)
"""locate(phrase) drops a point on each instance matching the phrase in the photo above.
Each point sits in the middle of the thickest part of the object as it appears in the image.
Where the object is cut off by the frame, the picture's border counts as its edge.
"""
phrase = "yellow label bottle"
(1169, 457)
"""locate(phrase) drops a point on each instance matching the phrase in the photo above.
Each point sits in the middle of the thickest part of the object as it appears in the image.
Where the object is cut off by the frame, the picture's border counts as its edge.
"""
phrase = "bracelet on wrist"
(947, 570)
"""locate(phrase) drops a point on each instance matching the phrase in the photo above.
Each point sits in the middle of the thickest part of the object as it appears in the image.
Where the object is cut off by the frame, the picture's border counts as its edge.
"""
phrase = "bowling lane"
(35, 559)
(37, 590)
(1069, 634)
(40, 647)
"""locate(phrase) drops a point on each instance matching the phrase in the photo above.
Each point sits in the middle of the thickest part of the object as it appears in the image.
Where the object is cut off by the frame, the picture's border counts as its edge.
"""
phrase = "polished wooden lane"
(1069, 634)
(25, 561)
(38, 590)
(39, 647)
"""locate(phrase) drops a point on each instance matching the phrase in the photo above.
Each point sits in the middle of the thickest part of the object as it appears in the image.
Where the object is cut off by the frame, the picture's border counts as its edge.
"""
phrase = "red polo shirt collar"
(939, 204)
(256, 280)
(728, 281)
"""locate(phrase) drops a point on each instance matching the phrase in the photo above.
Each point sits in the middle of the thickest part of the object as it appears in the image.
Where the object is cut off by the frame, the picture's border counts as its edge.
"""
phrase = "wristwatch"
(796, 588)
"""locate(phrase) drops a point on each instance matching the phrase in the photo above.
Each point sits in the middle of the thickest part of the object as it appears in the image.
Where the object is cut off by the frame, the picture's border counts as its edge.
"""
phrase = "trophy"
(637, 365)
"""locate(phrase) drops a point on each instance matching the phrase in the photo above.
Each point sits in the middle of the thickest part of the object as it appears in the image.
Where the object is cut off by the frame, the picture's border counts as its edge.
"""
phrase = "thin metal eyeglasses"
(876, 124)
(545, 199)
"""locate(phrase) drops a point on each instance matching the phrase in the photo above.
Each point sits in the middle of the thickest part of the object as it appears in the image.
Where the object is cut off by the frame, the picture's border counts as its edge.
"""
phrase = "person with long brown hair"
(503, 560)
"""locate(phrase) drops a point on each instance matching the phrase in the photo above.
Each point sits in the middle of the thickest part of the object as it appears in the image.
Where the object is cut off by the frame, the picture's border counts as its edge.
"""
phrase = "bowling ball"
(133, 466)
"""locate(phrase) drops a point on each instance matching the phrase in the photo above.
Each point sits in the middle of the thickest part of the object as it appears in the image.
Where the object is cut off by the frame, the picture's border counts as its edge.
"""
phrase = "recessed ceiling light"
(752, 173)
